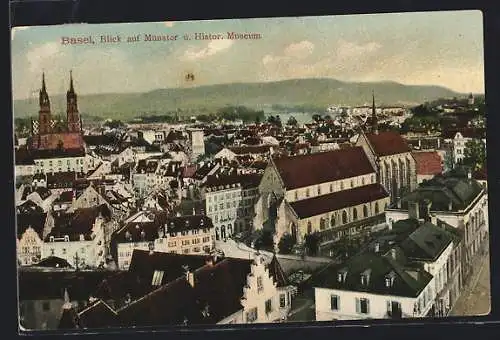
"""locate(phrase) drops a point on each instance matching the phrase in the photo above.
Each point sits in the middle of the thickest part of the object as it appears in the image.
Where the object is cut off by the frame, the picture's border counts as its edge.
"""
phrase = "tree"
(286, 244)
(317, 118)
(292, 121)
(475, 154)
(264, 241)
(312, 243)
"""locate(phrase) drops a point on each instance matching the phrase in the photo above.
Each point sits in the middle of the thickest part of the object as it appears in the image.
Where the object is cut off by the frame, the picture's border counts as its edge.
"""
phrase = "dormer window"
(389, 279)
(51, 238)
(66, 238)
(365, 277)
(341, 276)
(82, 237)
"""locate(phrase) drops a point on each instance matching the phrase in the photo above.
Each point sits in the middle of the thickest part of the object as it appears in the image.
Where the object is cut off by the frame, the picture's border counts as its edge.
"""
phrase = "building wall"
(314, 223)
(53, 165)
(195, 242)
(91, 253)
(40, 314)
(256, 295)
(378, 304)
(25, 170)
(29, 248)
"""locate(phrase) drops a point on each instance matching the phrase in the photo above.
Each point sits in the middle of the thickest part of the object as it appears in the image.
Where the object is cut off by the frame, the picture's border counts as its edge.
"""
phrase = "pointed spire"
(374, 115)
(43, 82)
(71, 89)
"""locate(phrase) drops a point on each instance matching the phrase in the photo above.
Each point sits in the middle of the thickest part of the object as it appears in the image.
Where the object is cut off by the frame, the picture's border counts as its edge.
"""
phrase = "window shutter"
(389, 306)
(367, 306)
(358, 306)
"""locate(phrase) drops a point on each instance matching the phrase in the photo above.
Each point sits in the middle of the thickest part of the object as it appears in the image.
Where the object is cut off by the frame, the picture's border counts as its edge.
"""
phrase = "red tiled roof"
(73, 140)
(481, 175)
(387, 143)
(428, 163)
(338, 200)
(306, 170)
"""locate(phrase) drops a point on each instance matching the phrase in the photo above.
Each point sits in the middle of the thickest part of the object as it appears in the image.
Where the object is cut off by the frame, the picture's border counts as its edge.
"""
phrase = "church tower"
(73, 116)
(374, 115)
(44, 115)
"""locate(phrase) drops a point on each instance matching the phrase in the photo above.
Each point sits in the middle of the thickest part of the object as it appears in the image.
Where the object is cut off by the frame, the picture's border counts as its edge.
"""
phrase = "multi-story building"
(230, 201)
(30, 222)
(411, 271)
(459, 140)
(193, 234)
(77, 237)
(332, 193)
(460, 201)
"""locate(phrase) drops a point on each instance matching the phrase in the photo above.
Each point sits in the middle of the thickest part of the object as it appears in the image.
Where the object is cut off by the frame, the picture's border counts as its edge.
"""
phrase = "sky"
(426, 48)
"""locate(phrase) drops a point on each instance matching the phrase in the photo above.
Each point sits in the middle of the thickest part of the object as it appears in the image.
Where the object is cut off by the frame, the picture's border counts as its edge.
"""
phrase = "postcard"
(250, 171)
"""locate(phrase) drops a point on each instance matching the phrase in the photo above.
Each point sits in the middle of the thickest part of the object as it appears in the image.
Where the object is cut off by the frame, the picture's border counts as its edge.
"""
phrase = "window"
(322, 224)
(282, 300)
(269, 306)
(334, 302)
(260, 285)
(362, 306)
(344, 217)
(331, 187)
(319, 190)
(354, 214)
(376, 208)
(157, 278)
(365, 211)
(307, 193)
(309, 227)
(296, 194)
(64, 251)
(46, 306)
(252, 315)
(394, 309)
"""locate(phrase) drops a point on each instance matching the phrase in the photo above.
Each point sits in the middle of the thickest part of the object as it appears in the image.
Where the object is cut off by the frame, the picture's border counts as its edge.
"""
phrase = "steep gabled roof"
(306, 170)
(387, 143)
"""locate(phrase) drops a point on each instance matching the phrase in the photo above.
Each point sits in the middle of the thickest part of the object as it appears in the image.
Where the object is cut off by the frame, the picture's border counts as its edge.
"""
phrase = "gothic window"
(332, 221)
(354, 214)
(365, 211)
(344, 217)
(376, 208)
(309, 227)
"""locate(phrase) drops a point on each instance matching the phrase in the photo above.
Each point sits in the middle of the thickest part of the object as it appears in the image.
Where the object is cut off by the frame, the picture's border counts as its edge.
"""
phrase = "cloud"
(214, 47)
(169, 23)
(43, 56)
(299, 50)
(17, 29)
(298, 60)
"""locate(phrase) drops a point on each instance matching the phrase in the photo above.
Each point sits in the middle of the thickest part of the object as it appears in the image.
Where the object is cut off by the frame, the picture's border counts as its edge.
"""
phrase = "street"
(476, 299)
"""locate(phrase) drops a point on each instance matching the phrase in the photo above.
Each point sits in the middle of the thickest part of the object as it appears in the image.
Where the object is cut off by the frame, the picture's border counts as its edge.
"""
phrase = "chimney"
(469, 175)
(377, 247)
(413, 210)
(450, 206)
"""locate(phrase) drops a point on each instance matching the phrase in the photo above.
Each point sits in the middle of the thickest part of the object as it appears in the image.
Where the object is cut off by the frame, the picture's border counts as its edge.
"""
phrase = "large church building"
(52, 146)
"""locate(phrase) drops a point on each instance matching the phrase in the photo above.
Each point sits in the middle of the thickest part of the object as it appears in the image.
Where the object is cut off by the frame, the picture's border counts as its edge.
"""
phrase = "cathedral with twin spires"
(46, 135)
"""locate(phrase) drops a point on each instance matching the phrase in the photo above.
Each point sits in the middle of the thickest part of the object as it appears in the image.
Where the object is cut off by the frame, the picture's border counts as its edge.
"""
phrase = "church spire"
(71, 89)
(374, 115)
(44, 89)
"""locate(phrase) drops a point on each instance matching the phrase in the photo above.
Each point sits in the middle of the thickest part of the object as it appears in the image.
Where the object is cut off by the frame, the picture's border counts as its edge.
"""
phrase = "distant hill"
(314, 93)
